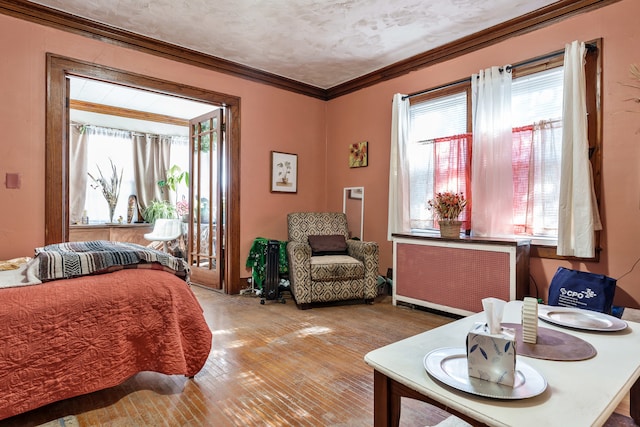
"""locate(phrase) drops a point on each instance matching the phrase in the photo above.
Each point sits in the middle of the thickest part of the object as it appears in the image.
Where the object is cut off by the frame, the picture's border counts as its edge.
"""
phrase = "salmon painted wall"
(320, 134)
(271, 119)
(366, 115)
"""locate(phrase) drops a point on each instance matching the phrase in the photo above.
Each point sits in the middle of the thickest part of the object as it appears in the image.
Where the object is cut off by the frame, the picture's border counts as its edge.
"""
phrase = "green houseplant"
(174, 177)
(159, 209)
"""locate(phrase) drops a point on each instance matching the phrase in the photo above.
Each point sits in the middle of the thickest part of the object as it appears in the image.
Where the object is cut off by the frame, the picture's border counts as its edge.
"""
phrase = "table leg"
(386, 405)
(387, 394)
(634, 402)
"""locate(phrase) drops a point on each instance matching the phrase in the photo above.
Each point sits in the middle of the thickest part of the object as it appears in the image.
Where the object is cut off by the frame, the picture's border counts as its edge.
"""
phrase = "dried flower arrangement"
(448, 206)
(110, 189)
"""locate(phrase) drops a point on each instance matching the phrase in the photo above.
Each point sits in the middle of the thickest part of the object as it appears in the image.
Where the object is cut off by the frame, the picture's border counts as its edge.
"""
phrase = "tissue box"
(492, 357)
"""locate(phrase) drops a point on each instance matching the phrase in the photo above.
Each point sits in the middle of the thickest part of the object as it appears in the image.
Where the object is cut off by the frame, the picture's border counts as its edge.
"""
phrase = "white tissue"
(494, 308)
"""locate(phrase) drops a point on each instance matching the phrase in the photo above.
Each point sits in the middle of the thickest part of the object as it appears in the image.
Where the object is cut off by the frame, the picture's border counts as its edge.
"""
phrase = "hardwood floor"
(270, 365)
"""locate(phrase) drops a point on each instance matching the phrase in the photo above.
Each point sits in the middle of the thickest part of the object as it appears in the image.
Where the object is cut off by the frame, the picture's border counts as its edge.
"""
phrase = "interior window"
(104, 146)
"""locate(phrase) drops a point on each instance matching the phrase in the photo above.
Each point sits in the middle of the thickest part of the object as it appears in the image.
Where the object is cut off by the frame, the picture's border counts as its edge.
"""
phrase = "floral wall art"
(358, 156)
(284, 172)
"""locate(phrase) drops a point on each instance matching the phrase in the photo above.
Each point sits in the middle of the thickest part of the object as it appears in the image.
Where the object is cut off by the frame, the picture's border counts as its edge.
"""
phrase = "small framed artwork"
(284, 172)
(358, 156)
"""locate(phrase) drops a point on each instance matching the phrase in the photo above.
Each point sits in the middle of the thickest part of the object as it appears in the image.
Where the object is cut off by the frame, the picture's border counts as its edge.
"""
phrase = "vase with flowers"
(447, 207)
(110, 188)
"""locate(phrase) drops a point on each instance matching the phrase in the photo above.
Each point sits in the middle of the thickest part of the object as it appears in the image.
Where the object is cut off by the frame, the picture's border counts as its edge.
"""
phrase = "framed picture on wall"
(358, 154)
(284, 172)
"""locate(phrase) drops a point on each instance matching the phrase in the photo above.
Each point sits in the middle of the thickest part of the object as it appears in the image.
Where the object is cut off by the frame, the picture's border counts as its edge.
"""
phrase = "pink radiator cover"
(453, 277)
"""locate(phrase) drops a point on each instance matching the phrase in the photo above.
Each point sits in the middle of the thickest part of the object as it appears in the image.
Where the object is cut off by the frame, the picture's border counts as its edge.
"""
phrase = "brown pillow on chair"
(334, 244)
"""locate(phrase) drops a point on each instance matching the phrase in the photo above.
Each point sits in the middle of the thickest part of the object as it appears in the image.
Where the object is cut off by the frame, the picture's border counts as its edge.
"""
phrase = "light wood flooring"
(270, 365)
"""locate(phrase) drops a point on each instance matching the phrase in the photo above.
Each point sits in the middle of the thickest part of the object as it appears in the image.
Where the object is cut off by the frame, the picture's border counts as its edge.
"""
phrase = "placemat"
(553, 345)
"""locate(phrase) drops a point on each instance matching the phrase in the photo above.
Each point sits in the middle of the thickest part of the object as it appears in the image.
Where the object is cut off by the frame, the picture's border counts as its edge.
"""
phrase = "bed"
(87, 328)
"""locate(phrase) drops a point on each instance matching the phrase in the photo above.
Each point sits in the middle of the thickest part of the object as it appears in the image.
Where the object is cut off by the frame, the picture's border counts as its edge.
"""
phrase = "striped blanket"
(73, 259)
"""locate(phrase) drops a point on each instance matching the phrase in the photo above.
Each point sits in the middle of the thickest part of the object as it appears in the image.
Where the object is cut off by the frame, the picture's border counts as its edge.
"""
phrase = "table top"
(581, 393)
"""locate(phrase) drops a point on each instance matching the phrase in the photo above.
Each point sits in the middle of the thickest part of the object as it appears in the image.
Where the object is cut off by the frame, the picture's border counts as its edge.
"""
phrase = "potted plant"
(174, 177)
(447, 207)
(159, 209)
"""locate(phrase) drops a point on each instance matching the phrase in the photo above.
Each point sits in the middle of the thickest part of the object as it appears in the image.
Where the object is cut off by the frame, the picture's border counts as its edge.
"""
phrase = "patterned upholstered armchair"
(329, 272)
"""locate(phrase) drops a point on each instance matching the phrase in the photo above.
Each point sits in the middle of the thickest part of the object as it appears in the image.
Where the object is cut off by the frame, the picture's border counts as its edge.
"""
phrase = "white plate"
(580, 319)
(449, 365)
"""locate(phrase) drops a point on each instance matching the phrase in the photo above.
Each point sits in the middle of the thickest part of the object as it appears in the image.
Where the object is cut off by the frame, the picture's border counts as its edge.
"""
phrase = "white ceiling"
(319, 42)
(120, 96)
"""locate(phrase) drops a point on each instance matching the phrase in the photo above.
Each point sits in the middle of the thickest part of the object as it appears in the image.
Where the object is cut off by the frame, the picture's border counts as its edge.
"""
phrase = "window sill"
(541, 247)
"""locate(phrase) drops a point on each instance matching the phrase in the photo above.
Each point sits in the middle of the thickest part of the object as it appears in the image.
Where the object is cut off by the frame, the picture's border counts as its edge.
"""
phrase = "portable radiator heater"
(271, 285)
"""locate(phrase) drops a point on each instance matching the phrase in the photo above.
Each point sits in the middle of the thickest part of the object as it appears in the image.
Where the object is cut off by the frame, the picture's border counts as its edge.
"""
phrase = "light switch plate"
(12, 180)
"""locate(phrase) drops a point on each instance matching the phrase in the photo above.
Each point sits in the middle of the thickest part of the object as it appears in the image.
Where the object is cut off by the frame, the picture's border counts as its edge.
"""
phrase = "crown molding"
(515, 27)
(44, 15)
(521, 25)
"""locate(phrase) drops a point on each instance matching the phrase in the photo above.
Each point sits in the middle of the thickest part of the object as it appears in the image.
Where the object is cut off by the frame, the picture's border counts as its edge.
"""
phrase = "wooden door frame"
(57, 148)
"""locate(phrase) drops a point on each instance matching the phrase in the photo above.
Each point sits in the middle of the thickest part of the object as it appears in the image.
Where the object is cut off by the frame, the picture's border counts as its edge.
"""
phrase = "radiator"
(454, 276)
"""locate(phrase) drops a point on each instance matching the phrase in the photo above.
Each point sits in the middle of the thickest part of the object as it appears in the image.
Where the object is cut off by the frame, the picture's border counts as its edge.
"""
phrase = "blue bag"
(572, 288)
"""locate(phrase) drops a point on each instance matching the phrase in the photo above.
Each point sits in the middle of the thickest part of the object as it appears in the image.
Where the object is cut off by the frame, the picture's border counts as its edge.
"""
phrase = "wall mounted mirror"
(353, 207)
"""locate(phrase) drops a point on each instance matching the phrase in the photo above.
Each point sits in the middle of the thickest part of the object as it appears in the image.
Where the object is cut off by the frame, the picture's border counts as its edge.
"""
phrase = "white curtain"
(544, 174)
(491, 172)
(77, 172)
(398, 173)
(578, 215)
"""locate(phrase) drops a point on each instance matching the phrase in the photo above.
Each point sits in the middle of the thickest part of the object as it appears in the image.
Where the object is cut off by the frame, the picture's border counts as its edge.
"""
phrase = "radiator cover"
(454, 276)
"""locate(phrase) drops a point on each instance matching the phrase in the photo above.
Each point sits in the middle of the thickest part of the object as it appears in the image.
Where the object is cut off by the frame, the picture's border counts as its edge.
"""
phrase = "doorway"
(115, 125)
(57, 150)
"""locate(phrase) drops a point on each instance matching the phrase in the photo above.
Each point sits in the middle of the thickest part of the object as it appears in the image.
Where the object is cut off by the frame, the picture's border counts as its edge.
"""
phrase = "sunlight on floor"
(314, 330)
(236, 344)
(222, 332)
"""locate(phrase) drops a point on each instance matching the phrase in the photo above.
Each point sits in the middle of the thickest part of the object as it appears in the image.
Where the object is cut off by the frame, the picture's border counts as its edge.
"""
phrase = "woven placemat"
(553, 345)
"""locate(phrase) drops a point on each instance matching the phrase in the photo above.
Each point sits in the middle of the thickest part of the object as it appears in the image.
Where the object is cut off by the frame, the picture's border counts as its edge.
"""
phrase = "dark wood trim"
(555, 12)
(57, 153)
(498, 33)
(232, 198)
(110, 110)
(85, 27)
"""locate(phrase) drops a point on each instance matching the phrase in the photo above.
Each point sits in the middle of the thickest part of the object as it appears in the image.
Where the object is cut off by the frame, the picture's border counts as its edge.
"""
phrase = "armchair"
(339, 271)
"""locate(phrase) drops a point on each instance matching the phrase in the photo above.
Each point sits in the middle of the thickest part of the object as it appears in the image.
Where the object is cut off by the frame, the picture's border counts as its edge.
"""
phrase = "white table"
(579, 393)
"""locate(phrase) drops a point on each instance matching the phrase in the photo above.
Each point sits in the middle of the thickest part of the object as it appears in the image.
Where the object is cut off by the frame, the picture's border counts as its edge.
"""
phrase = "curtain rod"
(589, 46)
(133, 133)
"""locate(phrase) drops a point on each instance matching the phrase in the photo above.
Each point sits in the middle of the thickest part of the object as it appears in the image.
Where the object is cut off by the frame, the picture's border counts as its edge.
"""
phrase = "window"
(438, 153)
(105, 145)
(441, 144)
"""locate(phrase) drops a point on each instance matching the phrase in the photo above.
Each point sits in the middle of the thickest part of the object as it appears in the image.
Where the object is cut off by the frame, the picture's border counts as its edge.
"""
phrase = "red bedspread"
(70, 337)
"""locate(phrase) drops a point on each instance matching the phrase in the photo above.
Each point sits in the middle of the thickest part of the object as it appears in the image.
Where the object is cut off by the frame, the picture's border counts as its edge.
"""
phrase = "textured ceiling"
(319, 42)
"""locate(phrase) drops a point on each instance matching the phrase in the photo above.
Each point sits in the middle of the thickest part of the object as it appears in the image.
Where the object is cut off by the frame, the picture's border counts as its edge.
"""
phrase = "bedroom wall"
(271, 119)
(320, 133)
(366, 115)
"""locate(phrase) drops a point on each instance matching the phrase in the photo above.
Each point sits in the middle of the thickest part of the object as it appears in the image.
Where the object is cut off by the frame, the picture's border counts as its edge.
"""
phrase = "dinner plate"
(580, 319)
(449, 365)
